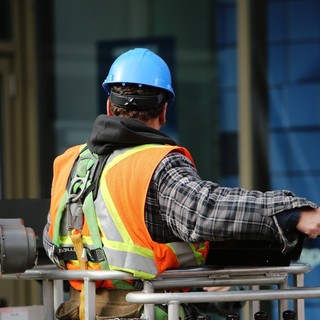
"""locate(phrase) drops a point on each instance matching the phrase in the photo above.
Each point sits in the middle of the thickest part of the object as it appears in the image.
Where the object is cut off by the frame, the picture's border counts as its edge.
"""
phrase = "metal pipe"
(208, 282)
(203, 297)
(52, 273)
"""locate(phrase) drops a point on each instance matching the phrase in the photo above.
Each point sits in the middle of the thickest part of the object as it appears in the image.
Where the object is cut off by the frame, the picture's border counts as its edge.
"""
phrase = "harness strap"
(79, 197)
(78, 246)
(90, 214)
(68, 253)
(79, 249)
(61, 210)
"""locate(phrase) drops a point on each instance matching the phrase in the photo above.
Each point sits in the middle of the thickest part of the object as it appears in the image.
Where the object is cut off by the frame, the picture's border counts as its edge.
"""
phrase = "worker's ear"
(109, 111)
(163, 115)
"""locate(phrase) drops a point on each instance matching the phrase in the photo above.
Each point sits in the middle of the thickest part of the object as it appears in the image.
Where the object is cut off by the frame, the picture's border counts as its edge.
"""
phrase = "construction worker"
(130, 199)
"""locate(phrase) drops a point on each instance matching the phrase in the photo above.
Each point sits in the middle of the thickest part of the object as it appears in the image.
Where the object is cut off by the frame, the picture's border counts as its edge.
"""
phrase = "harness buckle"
(74, 215)
(77, 189)
(82, 185)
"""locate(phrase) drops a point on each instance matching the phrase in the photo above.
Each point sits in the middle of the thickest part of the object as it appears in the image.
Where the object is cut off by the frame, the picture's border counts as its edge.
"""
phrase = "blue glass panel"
(304, 150)
(276, 64)
(276, 108)
(226, 1)
(280, 157)
(303, 19)
(230, 181)
(226, 26)
(302, 185)
(307, 186)
(279, 182)
(304, 63)
(276, 21)
(294, 151)
(228, 112)
(303, 104)
(312, 305)
(227, 67)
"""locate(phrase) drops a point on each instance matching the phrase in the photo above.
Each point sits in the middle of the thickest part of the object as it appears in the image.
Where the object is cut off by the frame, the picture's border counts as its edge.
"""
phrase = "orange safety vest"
(123, 188)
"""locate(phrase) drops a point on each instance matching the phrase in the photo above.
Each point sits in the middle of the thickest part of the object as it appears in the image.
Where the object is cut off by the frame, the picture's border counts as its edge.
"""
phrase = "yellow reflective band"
(65, 240)
(87, 240)
(126, 247)
(122, 260)
(184, 253)
(113, 212)
(131, 151)
(118, 243)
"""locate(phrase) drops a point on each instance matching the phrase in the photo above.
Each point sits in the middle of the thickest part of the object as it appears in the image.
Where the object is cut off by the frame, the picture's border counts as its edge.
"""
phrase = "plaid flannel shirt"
(180, 205)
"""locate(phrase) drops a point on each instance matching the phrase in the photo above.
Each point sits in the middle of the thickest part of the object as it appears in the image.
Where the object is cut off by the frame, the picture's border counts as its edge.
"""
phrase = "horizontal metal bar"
(208, 282)
(203, 297)
(56, 274)
(50, 272)
(294, 268)
(157, 284)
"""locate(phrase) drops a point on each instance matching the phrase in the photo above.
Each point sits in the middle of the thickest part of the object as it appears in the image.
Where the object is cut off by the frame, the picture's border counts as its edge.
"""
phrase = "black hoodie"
(110, 133)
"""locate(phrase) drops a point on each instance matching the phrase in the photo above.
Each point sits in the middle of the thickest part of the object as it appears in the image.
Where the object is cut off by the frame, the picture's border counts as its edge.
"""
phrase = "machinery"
(18, 247)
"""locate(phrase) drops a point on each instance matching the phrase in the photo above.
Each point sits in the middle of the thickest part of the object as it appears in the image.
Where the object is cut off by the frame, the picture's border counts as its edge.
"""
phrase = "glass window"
(276, 108)
(227, 65)
(303, 20)
(228, 111)
(303, 103)
(276, 64)
(276, 26)
(303, 154)
(226, 28)
(279, 149)
(5, 20)
(1, 107)
(303, 62)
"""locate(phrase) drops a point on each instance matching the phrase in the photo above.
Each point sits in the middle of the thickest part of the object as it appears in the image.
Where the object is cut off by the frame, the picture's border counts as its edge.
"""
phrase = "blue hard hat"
(140, 66)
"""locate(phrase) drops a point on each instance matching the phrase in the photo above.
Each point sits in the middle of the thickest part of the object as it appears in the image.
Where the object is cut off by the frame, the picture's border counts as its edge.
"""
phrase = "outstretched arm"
(309, 222)
(197, 210)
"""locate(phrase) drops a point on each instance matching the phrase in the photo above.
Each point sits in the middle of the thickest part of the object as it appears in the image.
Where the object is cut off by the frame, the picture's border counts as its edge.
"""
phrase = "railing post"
(47, 294)
(299, 303)
(58, 293)
(173, 310)
(283, 304)
(90, 299)
(254, 306)
(148, 310)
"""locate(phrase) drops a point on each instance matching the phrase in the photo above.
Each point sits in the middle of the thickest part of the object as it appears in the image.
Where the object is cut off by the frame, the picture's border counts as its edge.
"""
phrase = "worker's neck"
(153, 123)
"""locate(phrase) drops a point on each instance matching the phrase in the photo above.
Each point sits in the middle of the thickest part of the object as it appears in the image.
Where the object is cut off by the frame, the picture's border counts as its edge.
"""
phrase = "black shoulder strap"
(83, 179)
(96, 177)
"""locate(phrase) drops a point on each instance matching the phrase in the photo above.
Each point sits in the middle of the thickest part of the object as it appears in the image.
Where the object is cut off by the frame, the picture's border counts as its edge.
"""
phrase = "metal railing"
(251, 277)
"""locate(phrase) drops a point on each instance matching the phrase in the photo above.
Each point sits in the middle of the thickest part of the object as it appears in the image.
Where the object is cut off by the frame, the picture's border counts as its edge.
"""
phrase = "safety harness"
(77, 203)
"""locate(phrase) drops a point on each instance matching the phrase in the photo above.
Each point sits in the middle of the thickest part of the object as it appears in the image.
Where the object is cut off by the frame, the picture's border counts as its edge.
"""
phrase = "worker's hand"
(309, 222)
(217, 289)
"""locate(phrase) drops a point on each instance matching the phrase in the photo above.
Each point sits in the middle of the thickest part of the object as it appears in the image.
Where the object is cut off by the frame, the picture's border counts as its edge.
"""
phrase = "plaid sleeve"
(196, 210)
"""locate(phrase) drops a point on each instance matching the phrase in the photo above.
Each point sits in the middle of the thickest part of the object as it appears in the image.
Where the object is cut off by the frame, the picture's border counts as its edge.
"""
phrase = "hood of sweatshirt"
(110, 133)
